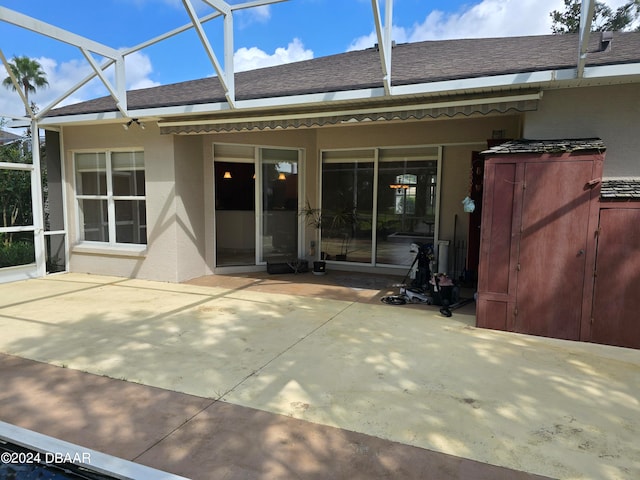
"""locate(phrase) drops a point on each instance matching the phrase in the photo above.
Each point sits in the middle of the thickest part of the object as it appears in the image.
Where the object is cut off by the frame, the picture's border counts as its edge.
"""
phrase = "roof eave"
(523, 80)
(539, 79)
(221, 107)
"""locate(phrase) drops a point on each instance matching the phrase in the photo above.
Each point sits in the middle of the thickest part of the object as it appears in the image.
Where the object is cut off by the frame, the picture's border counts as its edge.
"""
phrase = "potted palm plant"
(313, 218)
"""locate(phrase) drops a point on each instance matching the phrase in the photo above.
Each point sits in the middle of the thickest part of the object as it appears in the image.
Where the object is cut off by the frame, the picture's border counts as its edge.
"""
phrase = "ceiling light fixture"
(131, 122)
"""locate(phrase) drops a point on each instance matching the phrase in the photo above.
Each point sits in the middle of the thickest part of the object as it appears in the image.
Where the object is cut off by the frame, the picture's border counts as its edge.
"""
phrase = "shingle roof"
(547, 146)
(620, 189)
(413, 63)
(8, 137)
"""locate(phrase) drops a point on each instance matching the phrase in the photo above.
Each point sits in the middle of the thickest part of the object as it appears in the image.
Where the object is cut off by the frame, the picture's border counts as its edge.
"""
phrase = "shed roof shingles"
(547, 146)
(620, 189)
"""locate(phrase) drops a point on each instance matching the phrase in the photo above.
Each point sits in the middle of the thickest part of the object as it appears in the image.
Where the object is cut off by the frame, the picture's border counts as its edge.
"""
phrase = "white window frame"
(354, 154)
(252, 153)
(111, 244)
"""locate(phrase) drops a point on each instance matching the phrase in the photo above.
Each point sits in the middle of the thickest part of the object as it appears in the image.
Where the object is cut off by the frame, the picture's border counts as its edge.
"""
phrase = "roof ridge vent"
(606, 38)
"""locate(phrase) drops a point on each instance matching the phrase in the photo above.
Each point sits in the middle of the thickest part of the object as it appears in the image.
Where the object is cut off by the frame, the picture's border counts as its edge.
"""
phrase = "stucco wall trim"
(111, 250)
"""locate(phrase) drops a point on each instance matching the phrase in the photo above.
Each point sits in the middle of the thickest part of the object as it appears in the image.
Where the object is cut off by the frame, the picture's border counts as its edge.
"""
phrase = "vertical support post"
(37, 204)
(388, 25)
(121, 84)
(586, 18)
(229, 71)
(384, 40)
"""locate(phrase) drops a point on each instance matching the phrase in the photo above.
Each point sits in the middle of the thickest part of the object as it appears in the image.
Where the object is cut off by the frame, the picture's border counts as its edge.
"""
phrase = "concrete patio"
(277, 377)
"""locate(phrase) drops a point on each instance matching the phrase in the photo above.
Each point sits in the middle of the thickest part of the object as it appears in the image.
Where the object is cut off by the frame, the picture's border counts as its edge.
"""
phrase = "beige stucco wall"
(427, 132)
(190, 238)
(454, 222)
(160, 261)
(609, 112)
(179, 182)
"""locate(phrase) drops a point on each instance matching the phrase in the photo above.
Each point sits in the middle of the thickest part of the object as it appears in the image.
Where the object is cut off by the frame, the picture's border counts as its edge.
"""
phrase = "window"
(110, 190)
(405, 188)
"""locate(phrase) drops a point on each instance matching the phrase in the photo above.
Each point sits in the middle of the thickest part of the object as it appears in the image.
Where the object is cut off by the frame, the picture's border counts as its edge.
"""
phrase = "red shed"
(538, 237)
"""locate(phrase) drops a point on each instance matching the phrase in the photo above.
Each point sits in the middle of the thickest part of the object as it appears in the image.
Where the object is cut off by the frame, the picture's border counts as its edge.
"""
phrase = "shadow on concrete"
(203, 439)
(539, 405)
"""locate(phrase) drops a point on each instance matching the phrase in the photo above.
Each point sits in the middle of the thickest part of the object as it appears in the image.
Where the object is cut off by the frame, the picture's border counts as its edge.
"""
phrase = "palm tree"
(29, 74)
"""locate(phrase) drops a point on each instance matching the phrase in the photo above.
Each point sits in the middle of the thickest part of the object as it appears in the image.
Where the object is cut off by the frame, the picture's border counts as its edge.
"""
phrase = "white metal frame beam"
(587, 8)
(56, 33)
(226, 74)
(37, 224)
(84, 44)
(119, 91)
(384, 40)
(73, 89)
(39, 245)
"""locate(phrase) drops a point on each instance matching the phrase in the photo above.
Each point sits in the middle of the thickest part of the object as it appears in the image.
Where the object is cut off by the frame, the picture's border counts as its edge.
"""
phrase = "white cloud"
(489, 18)
(138, 67)
(252, 58)
(486, 18)
(248, 16)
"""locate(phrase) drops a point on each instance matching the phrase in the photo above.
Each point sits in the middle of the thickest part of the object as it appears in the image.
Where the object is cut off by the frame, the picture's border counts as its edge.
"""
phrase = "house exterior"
(210, 176)
(7, 138)
(151, 200)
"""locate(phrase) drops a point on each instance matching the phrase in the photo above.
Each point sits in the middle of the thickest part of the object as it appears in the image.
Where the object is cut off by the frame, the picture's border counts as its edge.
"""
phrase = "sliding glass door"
(256, 205)
(235, 213)
(406, 207)
(377, 202)
(279, 205)
(347, 205)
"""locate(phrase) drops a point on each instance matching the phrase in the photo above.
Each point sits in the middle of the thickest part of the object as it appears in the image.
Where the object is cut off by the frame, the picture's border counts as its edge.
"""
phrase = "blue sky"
(283, 32)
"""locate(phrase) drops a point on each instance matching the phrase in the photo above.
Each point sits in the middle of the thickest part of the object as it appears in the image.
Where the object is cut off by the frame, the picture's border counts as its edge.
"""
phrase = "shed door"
(554, 246)
(616, 304)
